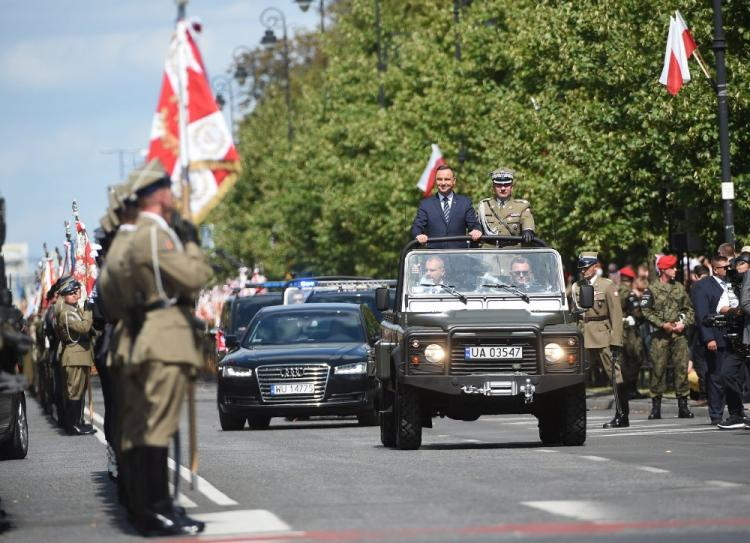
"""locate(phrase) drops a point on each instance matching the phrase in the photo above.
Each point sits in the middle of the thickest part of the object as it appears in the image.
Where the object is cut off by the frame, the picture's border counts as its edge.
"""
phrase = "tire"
(573, 427)
(368, 418)
(18, 445)
(408, 418)
(387, 420)
(231, 423)
(549, 429)
(258, 422)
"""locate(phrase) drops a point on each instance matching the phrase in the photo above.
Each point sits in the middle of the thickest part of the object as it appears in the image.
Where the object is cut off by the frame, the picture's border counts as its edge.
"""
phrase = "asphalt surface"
(331, 480)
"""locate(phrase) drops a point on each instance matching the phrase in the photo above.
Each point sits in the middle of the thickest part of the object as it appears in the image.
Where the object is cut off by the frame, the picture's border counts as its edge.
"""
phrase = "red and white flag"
(427, 180)
(85, 270)
(687, 36)
(47, 279)
(675, 71)
(213, 160)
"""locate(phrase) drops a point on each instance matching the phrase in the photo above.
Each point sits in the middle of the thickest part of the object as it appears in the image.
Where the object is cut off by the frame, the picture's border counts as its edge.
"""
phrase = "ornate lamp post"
(271, 18)
(304, 5)
(223, 84)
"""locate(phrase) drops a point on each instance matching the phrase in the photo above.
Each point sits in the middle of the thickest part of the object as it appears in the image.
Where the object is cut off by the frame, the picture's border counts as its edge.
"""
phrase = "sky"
(80, 79)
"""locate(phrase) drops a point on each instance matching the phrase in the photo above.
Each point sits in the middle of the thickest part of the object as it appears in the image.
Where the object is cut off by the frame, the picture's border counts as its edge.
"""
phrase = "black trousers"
(714, 362)
(732, 379)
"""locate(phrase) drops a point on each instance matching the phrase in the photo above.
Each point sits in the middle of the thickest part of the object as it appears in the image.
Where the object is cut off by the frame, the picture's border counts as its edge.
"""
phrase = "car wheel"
(408, 418)
(387, 419)
(549, 428)
(258, 422)
(368, 418)
(230, 423)
(573, 428)
(18, 445)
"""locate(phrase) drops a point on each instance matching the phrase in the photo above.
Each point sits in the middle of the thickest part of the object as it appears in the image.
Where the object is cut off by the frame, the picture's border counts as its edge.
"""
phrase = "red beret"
(667, 261)
(627, 271)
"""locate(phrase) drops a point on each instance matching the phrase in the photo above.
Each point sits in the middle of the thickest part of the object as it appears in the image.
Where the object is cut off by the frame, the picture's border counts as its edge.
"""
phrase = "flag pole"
(186, 213)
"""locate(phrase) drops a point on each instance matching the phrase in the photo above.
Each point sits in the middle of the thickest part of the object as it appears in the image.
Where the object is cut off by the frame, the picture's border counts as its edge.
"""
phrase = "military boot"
(80, 427)
(655, 408)
(621, 418)
(68, 416)
(683, 411)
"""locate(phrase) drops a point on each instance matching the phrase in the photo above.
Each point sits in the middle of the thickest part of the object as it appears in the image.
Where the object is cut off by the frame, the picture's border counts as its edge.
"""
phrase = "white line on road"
(652, 469)
(546, 450)
(242, 522)
(723, 484)
(686, 430)
(203, 486)
(594, 458)
(581, 510)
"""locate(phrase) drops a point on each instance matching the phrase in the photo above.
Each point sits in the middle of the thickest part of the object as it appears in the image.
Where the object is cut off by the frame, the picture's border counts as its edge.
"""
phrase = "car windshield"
(508, 273)
(289, 328)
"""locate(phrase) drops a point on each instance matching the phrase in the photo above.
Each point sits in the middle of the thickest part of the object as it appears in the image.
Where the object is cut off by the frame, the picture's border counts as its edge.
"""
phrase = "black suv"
(471, 334)
(237, 313)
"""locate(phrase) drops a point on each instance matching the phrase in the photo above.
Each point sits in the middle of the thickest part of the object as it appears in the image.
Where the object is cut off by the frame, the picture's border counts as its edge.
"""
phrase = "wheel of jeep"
(230, 423)
(258, 422)
(368, 418)
(549, 428)
(573, 427)
(408, 418)
(387, 420)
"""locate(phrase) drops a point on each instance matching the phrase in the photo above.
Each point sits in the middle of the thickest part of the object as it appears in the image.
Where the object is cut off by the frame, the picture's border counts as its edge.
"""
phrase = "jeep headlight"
(234, 371)
(434, 353)
(357, 368)
(553, 353)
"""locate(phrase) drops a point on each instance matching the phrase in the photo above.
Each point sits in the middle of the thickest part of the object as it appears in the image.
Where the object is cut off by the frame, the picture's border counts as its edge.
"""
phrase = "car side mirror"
(586, 297)
(382, 300)
(231, 342)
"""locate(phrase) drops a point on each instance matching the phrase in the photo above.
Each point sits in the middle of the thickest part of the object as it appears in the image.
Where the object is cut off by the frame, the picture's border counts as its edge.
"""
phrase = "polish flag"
(213, 159)
(427, 180)
(687, 37)
(675, 71)
(84, 268)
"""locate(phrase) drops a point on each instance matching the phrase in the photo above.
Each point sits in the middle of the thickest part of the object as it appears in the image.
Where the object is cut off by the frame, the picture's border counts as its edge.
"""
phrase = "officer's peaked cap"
(69, 286)
(743, 257)
(150, 178)
(586, 259)
(502, 176)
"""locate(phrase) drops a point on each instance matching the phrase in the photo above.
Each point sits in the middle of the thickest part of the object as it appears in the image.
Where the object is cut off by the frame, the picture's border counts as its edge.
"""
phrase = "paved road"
(331, 480)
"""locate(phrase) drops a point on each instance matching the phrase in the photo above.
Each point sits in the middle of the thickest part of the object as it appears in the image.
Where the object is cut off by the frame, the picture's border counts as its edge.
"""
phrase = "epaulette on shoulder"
(520, 201)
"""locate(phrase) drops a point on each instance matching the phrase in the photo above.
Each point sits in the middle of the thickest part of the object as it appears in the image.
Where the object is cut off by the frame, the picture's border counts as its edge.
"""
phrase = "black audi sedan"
(300, 360)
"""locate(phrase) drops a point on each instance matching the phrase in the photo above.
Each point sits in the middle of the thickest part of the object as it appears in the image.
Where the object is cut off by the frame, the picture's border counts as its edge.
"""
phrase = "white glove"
(629, 320)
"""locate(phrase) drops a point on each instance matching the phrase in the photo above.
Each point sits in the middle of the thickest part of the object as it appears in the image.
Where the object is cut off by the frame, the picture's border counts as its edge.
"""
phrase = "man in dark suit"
(445, 214)
(710, 296)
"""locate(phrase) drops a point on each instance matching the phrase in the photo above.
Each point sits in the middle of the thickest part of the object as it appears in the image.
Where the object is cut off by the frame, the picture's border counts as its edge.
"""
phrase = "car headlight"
(553, 352)
(434, 353)
(351, 369)
(234, 371)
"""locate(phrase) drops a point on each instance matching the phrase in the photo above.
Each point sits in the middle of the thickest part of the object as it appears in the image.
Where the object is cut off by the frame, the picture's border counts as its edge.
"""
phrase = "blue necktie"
(446, 209)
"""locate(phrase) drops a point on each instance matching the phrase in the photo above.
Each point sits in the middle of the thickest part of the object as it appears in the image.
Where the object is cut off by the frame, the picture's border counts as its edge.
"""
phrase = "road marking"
(594, 458)
(652, 470)
(546, 450)
(244, 521)
(581, 510)
(686, 430)
(723, 484)
(203, 486)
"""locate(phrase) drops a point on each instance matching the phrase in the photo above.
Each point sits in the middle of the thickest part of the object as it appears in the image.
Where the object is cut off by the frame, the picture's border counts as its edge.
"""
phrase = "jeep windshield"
(487, 278)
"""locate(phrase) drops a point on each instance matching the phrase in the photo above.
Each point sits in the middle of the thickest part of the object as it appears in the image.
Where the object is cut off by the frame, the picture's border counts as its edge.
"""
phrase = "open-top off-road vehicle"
(480, 331)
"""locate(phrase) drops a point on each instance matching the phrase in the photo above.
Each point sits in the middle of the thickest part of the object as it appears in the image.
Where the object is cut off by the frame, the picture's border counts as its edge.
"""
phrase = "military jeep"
(482, 338)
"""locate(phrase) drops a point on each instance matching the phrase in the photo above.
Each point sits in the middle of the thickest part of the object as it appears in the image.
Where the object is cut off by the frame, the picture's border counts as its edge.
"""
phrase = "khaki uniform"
(508, 218)
(669, 303)
(602, 324)
(74, 327)
(166, 350)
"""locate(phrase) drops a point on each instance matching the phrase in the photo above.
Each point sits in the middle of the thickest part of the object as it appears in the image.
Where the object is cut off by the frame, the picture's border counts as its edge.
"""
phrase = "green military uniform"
(602, 324)
(669, 303)
(74, 327)
(632, 344)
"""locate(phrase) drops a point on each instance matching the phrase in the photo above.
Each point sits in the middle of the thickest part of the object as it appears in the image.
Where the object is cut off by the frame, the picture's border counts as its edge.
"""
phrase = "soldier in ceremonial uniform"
(165, 271)
(669, 311)
(632, 345)
(74, 327)
(503, 215)
(602, 330)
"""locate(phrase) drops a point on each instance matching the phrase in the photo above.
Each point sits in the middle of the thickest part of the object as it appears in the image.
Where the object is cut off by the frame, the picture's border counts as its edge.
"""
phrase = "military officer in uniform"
(503, 215)
(74, 327)
(164, 273)
(632, 345)
(669, 311)
(602, 330)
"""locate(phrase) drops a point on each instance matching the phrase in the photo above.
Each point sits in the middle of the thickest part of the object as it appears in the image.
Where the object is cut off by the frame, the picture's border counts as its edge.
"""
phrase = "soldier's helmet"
(502, 176)
(586, 259)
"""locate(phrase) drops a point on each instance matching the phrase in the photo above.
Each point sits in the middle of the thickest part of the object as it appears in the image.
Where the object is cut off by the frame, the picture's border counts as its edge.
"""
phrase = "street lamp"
(244, 58)
(223, 84)
(304, 5)
(270, 18)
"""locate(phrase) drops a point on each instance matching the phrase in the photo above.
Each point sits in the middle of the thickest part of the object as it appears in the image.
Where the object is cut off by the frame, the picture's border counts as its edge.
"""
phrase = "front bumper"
(499, 385)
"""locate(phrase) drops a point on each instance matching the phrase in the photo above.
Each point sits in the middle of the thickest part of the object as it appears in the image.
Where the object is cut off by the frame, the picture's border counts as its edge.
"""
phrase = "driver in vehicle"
(434, 275)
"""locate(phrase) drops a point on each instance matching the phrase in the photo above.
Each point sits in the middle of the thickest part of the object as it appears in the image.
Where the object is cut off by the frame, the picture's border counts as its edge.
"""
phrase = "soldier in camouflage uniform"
(632, 345)
(503, 215)
(669, 311)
